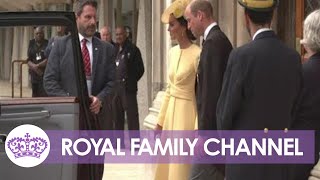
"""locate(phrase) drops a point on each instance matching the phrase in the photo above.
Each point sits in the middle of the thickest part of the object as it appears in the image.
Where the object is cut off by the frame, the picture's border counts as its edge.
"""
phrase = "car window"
(26, 48)
(23, 59)
(24, 41)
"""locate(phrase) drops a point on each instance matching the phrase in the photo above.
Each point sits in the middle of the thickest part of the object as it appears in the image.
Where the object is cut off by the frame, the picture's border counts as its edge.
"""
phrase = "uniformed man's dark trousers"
(38, 90)
(126, 102)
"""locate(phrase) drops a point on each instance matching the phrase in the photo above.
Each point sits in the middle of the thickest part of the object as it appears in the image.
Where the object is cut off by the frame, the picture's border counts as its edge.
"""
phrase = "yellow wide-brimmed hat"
(259, 5)
(177, 8)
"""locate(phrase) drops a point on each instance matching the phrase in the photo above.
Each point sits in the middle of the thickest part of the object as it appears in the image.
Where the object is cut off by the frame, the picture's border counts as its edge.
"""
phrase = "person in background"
(37, 61)
(129, 33)
(129, 70)
(260, 88)
(178, 110)
(106, 35)
(61, 31)
(216, 48)
(308, 114)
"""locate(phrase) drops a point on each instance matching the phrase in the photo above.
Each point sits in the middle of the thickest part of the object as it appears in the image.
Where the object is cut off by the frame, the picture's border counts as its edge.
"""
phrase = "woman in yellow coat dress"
(178, 110)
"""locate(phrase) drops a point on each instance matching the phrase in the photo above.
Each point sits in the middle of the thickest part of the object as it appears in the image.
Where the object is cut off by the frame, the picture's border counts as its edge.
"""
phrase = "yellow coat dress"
(179, 110)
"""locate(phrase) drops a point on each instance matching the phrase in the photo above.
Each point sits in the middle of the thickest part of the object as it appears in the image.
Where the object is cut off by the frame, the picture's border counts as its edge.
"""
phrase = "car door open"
(21, 98)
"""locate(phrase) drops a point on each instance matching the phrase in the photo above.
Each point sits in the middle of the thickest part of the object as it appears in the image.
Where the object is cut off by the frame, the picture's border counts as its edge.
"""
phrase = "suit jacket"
(212, 65)
(308, 114)
(260, 90)
(134, 65)
(261, 86)
(59, 77)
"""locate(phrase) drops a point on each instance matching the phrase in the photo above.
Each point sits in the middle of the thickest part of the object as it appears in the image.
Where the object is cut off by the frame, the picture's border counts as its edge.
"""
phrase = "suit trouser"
(125, 101)
(90, 171)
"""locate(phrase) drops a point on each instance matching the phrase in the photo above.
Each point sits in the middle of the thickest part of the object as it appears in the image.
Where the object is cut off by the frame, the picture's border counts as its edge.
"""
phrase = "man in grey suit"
(59, 74)
(59, 78)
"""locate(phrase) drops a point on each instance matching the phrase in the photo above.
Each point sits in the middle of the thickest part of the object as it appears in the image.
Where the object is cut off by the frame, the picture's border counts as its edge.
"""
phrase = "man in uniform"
(37, 62)
(129, 70)
(260, 88)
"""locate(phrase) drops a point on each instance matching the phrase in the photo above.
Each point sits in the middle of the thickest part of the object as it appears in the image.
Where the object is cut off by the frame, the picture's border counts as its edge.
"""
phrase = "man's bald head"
(106, 34)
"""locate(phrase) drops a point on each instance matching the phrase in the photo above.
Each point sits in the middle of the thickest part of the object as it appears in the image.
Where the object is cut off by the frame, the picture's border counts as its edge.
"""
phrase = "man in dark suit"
(37, 61)
(98, 59)
(129, 70)
(213, 60)
(260, 88)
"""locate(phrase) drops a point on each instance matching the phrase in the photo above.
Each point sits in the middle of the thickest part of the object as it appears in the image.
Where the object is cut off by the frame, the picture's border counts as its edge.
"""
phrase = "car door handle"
(26, 115)
(3, 138)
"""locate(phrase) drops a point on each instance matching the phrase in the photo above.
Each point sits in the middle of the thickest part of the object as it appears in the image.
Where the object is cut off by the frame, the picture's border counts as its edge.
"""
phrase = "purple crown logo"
(27, 147)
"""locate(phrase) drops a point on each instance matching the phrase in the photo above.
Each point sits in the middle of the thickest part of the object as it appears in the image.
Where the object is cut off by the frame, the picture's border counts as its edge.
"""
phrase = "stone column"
(227, 19)
(243, 36)
(16, 50)
(157, 49)
(27, 35)
(215, 6)
(144, 42)
(134, 25)
(2, 44)
(119, 12)
(7, 53)
(106, 14)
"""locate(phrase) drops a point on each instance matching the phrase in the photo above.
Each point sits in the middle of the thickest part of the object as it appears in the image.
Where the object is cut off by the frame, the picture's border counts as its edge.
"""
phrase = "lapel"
(95, 53)
(211, 32)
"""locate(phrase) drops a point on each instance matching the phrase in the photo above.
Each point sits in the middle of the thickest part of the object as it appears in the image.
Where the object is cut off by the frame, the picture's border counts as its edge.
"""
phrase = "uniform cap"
(259, 5)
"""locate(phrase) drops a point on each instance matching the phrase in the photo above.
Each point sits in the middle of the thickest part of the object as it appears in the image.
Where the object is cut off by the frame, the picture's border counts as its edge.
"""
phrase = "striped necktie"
(86, 57)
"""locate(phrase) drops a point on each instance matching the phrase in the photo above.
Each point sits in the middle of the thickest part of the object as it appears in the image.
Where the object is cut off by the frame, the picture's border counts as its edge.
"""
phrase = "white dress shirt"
(206, 32)
(89, 46)
(260, 31)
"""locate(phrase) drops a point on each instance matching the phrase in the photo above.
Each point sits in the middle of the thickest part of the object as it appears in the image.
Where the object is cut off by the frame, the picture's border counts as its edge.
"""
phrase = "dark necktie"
(86, 57)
